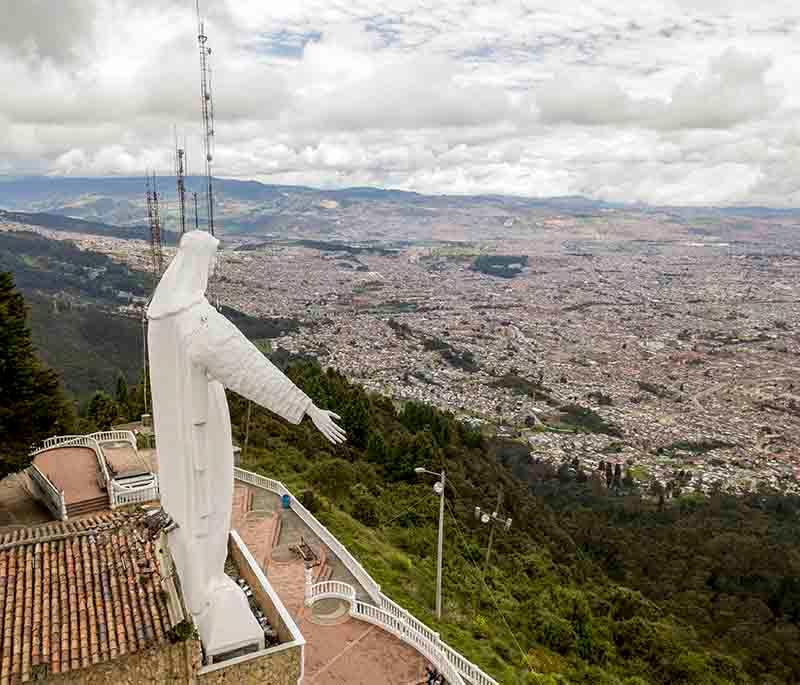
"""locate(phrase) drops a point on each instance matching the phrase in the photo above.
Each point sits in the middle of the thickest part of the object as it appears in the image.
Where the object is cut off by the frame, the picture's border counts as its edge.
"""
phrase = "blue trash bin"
(285, 501)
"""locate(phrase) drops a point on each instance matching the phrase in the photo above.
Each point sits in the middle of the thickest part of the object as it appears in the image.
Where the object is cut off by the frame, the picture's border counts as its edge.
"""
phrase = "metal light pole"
(494, 520)
(438, 488)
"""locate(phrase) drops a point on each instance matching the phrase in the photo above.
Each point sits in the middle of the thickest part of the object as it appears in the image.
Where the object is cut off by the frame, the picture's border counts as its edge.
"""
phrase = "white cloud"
(667, 101)
(732, 92)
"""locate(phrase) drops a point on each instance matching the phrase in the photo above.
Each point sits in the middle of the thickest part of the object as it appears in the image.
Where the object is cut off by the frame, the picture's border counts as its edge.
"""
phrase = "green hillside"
(74, 296)
(89, 346)
(583, 589)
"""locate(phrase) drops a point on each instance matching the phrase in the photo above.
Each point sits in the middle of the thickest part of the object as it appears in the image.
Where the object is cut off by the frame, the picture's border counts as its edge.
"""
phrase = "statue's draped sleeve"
(220, 348)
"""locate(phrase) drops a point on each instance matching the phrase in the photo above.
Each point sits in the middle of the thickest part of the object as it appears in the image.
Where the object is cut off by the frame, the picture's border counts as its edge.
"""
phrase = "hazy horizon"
(665, 105)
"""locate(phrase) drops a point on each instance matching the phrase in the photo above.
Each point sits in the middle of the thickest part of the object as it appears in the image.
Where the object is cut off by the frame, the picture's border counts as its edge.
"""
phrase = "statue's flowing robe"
(194, 354)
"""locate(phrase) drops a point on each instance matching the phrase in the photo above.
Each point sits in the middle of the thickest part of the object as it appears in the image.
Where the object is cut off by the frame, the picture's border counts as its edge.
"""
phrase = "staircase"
(87, 506)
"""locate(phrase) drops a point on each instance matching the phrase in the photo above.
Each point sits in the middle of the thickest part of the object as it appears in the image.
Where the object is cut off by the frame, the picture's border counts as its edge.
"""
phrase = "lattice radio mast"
(208, 115)
(180, 170)
(154, 220)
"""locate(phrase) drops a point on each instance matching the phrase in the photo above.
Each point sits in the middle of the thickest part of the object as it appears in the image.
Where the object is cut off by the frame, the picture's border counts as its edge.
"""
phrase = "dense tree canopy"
(32, 405)
(590, 585)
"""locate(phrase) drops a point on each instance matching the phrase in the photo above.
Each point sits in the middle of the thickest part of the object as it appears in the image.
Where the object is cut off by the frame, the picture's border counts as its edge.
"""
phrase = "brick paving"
(351, 652)
(73, 470)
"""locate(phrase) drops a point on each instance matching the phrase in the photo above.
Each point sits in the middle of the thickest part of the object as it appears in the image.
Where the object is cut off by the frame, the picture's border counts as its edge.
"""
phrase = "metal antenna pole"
(196, 217)
(440, 551)
(155, 230)
(494, 520)
(491, 538)
(144, 355)
(208, 116)
(179, 179)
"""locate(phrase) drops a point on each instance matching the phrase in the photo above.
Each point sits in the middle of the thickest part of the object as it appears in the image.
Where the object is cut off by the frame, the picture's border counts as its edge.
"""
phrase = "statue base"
(228, 628)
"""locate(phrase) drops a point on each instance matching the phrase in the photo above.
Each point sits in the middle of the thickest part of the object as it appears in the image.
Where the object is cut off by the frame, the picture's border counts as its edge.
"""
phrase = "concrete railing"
(53, 497)
(79, 441)
(115, 436)
(119, 497)
(330, 589)
(403, 626)
(387, 614)
(359, 572)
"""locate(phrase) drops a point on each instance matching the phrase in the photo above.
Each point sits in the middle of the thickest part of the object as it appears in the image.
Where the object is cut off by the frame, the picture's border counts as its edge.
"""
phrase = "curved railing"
(405, 627)
(384, 613)
(118, 496)
(57, 441)
(115, 436)
(80, 441)
(330, 589)
(359, 572)
(53, 497)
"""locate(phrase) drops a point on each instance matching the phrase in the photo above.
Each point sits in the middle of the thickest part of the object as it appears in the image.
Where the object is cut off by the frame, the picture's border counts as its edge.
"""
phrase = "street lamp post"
(438, 488)
(494, 520)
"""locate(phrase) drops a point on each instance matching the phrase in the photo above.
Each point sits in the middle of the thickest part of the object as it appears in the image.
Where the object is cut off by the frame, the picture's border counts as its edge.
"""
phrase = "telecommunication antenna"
(196, 215)
(154, 220)
(180, 169)
(208, 115)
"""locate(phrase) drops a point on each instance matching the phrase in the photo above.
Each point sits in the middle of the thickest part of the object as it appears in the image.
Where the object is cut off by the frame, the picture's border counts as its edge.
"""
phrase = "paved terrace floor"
(339, 650)
(73, 470)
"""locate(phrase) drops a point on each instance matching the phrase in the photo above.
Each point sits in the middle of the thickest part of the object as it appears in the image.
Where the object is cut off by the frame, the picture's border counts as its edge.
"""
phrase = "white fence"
(115, 436)
(53, 498)
(402, 625)
(372, 588)
(80, 441)
(389, 615)
(119, 497)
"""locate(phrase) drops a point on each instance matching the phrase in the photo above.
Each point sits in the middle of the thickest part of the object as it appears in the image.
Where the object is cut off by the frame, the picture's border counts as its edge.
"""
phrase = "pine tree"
(32, 404)
(102, 411)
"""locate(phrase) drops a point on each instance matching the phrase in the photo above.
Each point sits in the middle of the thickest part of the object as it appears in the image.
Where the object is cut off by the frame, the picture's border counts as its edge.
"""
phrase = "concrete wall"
(259, 592)
(181, 664)
(160, 664)
(281, 666)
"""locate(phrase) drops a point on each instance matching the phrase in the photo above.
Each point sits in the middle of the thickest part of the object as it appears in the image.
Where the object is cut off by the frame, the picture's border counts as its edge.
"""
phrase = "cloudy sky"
(658, 101)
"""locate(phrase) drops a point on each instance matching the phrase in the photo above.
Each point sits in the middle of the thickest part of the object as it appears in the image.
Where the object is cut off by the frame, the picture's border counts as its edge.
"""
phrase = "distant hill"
(74, 297)
(89, 347)
(116, 206)
(66, 224)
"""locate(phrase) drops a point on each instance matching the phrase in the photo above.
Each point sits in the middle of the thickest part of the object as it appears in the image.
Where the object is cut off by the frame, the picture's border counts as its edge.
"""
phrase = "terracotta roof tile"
(78, 593)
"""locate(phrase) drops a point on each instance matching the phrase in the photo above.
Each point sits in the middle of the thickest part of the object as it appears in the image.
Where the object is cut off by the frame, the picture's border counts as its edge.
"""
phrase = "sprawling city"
(399, 343)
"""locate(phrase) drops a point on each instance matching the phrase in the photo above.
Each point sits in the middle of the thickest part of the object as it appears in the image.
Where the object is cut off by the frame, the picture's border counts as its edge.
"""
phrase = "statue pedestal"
(228, 625)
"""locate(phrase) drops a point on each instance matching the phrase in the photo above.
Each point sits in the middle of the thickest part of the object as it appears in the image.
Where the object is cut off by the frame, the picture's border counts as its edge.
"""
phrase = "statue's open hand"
(323, 420)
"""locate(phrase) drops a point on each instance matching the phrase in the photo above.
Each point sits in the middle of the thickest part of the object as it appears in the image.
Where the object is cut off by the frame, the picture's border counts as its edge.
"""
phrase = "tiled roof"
(78, 593)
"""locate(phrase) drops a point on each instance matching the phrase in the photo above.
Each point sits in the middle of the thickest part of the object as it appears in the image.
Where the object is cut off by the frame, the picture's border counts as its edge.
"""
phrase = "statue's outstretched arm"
(229, 357)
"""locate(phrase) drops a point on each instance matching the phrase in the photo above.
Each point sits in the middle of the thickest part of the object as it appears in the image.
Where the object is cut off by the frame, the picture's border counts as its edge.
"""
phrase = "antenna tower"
(208, 115)
(196, 215)
(179, 175)
(154, 221)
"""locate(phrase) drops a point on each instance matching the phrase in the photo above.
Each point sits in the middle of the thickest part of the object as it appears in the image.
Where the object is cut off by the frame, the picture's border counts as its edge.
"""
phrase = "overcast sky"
(659, 101)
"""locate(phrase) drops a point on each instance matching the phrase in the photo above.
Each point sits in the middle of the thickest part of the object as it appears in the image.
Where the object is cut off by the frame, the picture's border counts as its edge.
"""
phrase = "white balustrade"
(53, 497)
(118, 496)
(121, 497)
(115, 436)
(388, 615)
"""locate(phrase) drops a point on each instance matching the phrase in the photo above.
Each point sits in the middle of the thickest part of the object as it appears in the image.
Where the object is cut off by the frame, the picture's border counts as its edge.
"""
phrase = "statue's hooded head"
(184, 282)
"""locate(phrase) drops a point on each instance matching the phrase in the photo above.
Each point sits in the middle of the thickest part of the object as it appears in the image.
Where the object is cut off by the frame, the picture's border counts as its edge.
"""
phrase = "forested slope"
(582, 589)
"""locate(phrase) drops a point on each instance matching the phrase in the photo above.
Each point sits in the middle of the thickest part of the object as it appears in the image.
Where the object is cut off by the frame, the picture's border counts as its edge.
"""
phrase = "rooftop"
(79, 593)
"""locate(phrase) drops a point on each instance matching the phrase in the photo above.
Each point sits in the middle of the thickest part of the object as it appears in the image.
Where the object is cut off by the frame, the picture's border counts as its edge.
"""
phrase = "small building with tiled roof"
(75, 594)
(97, 600)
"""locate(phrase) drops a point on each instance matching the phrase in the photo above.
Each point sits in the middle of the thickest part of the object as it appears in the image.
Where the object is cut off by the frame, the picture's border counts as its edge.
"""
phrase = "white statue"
(195, 353)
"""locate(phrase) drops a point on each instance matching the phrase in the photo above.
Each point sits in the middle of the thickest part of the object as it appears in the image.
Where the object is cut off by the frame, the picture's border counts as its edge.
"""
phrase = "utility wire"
(403, 513)
(491, 594)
